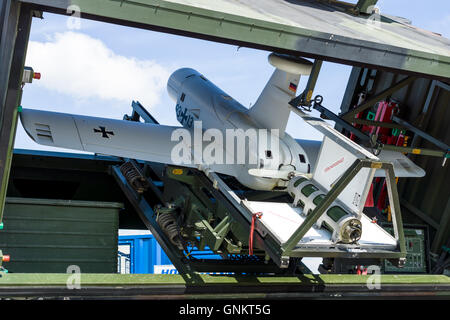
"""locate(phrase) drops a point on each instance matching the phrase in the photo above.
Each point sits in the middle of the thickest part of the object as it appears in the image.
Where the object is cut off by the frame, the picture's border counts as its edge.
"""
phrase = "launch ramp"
(284, 232)
(283, 219)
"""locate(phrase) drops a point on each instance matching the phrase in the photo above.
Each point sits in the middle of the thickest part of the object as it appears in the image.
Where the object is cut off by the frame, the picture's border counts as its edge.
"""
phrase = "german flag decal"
(292, 87)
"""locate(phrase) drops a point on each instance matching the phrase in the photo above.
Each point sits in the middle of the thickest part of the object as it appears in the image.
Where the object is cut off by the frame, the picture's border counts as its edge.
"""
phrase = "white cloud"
(83, 67)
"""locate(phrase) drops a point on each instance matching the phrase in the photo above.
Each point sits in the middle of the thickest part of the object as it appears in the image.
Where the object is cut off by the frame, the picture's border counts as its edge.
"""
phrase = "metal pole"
(424, 135)
(395, 207)
(305, 97)
(14, 35)
(416, 151)
(378, 124)
(349, 115)
(10, 17)
(342, 122)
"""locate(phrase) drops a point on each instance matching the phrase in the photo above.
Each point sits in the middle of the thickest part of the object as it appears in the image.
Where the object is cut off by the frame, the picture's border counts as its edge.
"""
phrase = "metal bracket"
(140, 112)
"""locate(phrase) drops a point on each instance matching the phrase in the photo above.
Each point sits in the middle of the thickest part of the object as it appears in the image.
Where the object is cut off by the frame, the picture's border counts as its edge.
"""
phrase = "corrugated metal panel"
(50, 235)
(431, 194)
(145, 253)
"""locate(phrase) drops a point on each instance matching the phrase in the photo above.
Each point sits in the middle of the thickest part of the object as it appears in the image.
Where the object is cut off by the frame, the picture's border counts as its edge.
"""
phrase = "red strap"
(369, 199)
(252, 229)
(360, 270)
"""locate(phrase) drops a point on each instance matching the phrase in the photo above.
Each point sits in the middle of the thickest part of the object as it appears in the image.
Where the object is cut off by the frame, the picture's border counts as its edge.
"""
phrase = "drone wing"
(144, 141)
(128, 139)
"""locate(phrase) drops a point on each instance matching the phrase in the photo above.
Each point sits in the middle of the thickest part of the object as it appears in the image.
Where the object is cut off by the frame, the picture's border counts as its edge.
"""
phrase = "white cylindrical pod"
(343, 225)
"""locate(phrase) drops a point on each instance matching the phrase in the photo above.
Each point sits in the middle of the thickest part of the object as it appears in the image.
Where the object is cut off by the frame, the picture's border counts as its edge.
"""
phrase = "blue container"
(140, 254)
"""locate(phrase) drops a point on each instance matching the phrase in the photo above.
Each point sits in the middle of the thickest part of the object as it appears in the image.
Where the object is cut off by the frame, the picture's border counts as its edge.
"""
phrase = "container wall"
(50, 235)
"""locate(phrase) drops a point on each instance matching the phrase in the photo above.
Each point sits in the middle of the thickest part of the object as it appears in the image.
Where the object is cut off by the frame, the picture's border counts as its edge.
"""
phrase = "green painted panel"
(44, 235)
(306, 27)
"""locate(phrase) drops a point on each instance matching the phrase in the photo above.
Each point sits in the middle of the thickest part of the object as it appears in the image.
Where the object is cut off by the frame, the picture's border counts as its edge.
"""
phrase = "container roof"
(309, 28)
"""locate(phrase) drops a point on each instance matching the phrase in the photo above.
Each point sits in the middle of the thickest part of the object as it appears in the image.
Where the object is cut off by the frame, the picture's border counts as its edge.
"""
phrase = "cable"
(252, 229)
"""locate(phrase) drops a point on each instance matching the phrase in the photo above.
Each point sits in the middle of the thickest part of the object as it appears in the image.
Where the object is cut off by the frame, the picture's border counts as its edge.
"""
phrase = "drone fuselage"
(200, 103)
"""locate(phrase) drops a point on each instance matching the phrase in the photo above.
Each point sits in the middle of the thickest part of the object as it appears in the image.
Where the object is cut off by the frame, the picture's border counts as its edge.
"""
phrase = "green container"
(45, 235)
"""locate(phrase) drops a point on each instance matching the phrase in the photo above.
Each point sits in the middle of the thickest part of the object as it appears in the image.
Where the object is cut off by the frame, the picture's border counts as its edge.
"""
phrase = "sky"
(97, 69)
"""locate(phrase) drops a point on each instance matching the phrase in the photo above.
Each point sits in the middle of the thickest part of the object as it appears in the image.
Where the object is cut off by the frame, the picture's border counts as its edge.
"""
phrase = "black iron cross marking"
(104, 132)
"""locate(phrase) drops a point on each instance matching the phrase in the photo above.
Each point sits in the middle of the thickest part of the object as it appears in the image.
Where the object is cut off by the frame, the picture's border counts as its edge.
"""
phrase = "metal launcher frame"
(282, 253)
(228, 220)
(290, 249)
